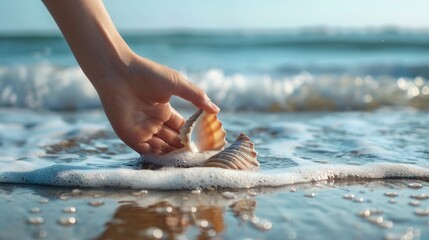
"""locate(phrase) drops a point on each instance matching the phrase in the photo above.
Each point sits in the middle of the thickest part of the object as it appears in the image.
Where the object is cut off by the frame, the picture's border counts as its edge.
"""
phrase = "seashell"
(207, 150)
(240, 155)
(210, 133)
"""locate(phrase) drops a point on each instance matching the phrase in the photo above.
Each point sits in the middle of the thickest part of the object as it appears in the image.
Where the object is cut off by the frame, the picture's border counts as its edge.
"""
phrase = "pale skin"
(135, 92)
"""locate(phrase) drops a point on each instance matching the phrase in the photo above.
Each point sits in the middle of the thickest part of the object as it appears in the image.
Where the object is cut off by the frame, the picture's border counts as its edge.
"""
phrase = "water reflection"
(167, 220)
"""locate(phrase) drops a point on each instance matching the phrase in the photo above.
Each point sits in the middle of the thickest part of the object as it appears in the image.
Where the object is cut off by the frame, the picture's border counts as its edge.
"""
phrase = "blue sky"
(31, 15)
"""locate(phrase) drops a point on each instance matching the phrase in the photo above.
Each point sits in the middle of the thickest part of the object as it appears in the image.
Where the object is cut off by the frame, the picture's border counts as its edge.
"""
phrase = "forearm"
(91, 35)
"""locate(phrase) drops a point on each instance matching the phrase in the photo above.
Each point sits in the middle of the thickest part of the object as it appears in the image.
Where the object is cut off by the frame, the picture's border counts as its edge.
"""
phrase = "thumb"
(195, 95)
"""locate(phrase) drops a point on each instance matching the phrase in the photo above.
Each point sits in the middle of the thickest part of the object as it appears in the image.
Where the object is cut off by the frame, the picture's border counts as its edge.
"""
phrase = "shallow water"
(333, 148)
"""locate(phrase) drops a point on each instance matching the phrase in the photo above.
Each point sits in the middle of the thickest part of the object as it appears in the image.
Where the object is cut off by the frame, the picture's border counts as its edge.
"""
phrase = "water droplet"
(35, 220)
(425, 90)
(211, 233)
(422, 196)
(35, 210)
(244, 217)
(63, 198)
(254, 219)
(43, 201)
(392, 200)
(183, 237)
(229, 195)
(157, 233)
(375, 220)
(253, 194)
(422, 212)
(67, 221)
(349, 196)
(310, 195)
(292, 189)
(408, 235)
(414, 203)
(359, 200)
(202, 223)
(391, 194)
(364, 213)
(368, 212)
(263, 225)
(96, 203)
(152, 232)
(415, 185)
(76, 192)
(140, 193)
(69, 210)
(196, 191)
(386, 224)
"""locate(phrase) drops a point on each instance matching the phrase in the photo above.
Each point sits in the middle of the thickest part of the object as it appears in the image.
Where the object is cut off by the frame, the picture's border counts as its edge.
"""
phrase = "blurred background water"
(274, 56)
(305, 70)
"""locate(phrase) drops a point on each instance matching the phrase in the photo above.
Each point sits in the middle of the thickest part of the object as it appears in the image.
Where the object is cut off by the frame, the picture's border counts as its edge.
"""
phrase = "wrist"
(113, 65)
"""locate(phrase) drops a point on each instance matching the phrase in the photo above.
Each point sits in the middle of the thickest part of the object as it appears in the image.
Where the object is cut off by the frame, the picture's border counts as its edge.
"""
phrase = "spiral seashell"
(240, 155)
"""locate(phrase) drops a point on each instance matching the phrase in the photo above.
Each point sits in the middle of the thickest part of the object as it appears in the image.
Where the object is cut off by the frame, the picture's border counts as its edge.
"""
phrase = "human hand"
(136, 102)
(135, 92)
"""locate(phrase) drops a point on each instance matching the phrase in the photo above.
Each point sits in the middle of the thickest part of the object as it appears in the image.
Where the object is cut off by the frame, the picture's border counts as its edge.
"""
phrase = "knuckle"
(201, 94)
(175, 76)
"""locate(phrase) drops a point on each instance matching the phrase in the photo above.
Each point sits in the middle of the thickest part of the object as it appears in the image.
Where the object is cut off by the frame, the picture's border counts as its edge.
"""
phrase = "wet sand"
(389, 209)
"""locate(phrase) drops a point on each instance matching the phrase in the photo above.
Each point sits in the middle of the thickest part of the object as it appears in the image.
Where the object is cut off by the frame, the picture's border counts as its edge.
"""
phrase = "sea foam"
(47, 86)
(192, 178)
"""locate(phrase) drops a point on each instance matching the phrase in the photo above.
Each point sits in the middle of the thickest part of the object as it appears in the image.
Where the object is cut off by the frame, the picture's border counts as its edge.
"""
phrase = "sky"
(133, 15)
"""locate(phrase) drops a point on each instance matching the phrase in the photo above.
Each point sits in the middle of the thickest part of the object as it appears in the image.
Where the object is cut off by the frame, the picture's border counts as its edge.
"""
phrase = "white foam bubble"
(192, 178)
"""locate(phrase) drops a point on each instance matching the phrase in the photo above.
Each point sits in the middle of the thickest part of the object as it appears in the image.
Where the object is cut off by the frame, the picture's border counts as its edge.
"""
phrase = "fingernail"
(216, 108)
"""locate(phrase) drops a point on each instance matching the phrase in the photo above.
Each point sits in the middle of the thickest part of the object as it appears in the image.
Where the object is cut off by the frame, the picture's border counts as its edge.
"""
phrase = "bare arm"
(135, 92)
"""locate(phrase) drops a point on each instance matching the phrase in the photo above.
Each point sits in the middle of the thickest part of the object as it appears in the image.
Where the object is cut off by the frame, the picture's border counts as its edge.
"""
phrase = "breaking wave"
(47, 86)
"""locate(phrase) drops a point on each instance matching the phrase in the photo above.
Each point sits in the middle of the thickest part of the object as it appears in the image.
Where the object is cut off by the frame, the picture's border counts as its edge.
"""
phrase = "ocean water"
(339, 120)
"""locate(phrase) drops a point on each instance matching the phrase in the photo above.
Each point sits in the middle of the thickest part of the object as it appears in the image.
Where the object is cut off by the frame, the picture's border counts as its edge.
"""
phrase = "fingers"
(170, 137)
(176, 120)
(164, 141)
(194, 94)
(155, 145)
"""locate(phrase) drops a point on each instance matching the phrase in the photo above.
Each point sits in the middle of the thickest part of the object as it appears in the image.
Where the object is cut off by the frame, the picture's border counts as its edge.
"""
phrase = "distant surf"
(46, 86)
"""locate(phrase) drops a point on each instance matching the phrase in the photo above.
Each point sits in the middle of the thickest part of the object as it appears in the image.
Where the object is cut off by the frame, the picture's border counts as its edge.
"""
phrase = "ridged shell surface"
(240, 155)
(210, 135)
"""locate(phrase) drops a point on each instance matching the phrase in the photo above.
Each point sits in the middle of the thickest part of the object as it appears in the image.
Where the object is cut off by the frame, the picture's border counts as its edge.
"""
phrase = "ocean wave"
(47, 86)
